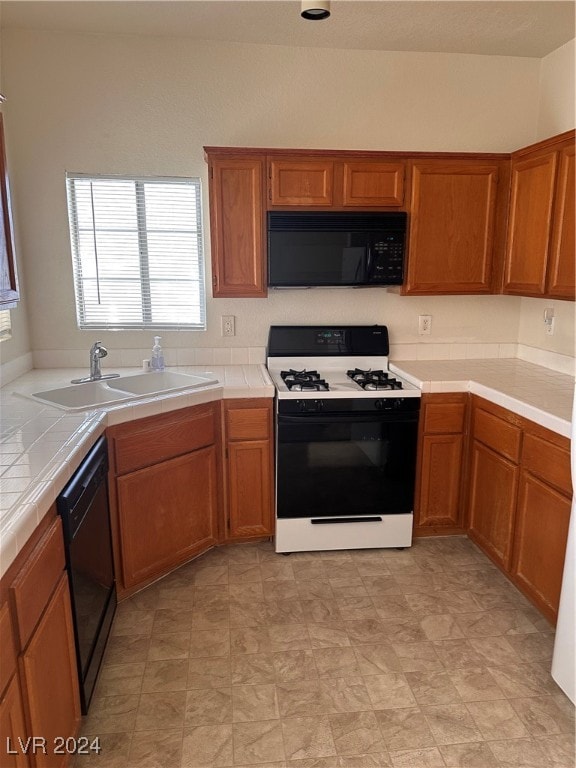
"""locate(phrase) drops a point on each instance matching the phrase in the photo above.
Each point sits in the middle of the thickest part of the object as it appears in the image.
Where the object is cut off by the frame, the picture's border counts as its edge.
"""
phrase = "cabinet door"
(301, 182)
(250, 489)
(452, 228)
(561, 278)
(237, 227)
(167, 514)
(50, 677)
(492, 502)
(529, 225)
(540, 542)
(12, 728)
(438, 497)
(373, 184)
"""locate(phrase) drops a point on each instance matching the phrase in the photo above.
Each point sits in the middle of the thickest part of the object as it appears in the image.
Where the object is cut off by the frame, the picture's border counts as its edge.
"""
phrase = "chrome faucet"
(97, 352)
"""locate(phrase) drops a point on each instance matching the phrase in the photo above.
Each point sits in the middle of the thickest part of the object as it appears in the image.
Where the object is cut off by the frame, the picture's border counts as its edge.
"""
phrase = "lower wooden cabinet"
(50, 678)
(42, 699)
(167, 514)
(439, 472)
(492, 502)
(12, 727)
(248, 468)
(164, 491)
(542, 517)
(519, 500)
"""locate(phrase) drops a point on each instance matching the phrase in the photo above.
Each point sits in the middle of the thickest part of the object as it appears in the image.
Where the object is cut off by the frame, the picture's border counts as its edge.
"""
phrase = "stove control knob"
(380, 405)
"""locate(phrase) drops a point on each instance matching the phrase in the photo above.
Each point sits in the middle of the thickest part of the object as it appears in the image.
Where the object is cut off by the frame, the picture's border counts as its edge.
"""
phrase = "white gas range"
(346, 439)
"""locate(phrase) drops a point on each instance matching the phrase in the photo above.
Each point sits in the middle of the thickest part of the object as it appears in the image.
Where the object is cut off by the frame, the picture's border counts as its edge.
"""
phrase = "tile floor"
(364, 659)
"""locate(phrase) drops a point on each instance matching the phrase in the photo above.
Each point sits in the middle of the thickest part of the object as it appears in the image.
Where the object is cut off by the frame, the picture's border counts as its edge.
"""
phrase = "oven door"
(346, 466)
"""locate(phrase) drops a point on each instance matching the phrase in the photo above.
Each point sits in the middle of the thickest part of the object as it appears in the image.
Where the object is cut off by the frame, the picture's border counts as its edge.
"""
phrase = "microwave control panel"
(387, 259)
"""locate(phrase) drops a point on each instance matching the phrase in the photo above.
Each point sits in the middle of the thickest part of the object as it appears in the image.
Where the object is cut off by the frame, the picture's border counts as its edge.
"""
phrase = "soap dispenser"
(157, 360)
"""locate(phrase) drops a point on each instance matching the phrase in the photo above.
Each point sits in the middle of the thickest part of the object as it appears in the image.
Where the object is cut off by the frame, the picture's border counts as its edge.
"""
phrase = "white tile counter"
(539, 394)
(41, 446)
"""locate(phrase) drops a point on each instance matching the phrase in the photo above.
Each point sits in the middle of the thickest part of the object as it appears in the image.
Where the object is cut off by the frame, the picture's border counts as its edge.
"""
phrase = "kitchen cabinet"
(248, 468)
(164, 491)
(9, 293)
(561, 271)
(542, 518)
(12, 727)
(455, 214)
(303, 182)
(540, 245)
(440, 471)
(47, 656)
(237, 225)
(519, 500)
(496, 439)
(336, 183)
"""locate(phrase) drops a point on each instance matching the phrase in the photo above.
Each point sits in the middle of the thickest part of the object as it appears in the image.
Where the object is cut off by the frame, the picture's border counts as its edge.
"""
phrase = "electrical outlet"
(228, 325)
(424, 325)
(549, 320)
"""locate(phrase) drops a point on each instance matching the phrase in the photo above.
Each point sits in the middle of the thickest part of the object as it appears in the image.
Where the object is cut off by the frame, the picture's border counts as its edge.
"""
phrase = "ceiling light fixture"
(315, 10)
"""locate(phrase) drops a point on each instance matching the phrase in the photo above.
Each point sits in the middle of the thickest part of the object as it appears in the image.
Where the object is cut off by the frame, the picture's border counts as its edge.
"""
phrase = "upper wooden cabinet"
(237, 226)
(453, 219)
(472, 230)
(561, 277)
(312, 181)
(540, 246)
(301, 182)
(9, 293)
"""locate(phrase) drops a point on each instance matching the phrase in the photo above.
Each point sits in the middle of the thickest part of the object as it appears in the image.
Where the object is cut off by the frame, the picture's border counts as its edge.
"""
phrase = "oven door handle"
(330, 520)
(331, 418)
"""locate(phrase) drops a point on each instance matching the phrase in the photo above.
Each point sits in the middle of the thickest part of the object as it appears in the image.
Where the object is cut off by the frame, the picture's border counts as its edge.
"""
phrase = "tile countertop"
(41, 446)
(537, 393)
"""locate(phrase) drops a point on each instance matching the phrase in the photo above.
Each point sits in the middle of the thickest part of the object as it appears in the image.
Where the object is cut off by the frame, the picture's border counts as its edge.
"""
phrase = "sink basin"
(79, 397)
(95, 394)
(160, 382)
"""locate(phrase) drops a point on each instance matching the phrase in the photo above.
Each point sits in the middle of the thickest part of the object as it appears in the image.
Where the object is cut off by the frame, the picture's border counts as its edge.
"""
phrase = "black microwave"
(327, 248)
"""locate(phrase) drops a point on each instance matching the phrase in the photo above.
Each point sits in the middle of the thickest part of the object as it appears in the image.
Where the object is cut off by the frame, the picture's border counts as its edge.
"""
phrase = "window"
(137, 252)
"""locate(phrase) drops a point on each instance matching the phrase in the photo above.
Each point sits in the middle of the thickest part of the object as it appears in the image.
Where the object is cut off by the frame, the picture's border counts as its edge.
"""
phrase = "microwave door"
(354, 265)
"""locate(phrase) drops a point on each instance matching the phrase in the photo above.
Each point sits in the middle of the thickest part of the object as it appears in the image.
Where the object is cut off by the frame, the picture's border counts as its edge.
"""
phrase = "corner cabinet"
(164, 492)
(540, 246)
(438, 505)
(237, 225)
(519, 500)
(248, 468)
(454, 221)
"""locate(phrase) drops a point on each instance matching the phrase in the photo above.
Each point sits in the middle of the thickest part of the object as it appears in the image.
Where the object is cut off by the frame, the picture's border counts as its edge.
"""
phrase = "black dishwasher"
(84, 508)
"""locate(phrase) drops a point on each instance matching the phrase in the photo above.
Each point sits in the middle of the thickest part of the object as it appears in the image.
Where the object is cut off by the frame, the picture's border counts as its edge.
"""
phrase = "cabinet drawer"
(444, 418)
(248, 423)
(502, 437)
(547, 461)
(8, 665)
(37, 580)
(163, 437)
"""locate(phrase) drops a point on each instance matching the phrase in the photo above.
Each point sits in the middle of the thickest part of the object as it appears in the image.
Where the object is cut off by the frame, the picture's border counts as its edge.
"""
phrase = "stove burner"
(372, 380)
(304, 381)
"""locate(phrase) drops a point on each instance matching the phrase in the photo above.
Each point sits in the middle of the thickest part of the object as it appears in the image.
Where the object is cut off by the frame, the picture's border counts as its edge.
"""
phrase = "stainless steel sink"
(97, 394)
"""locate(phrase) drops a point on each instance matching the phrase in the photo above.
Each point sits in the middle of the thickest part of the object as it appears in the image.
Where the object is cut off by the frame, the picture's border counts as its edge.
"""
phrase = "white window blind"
(5, 325)
(137, 252)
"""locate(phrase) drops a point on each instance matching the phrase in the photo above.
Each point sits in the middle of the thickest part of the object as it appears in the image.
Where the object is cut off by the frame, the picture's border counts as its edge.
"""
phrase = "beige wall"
(148, 105)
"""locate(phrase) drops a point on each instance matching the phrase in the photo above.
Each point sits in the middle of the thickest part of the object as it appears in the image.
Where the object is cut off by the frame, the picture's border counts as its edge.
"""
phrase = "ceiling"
(493, 28)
